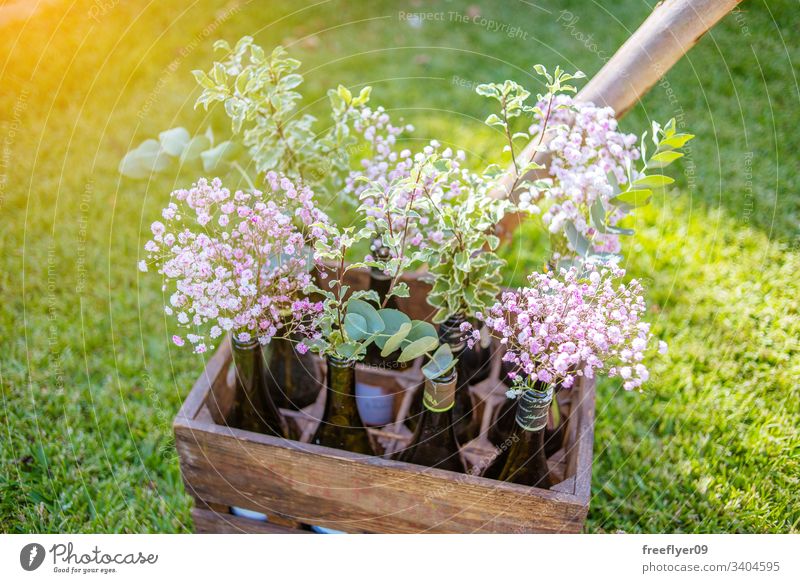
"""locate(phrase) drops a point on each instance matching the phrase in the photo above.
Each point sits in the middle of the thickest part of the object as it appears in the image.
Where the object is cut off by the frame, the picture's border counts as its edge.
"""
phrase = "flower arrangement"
(346, 322)
(571, 324)
(267, 263)
(234, 262)
(592, 183)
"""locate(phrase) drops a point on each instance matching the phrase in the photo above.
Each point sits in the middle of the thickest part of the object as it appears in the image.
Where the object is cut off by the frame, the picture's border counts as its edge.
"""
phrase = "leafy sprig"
(259, 93)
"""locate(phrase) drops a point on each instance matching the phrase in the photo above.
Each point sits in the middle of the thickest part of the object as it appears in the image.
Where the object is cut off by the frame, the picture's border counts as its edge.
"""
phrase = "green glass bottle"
(380, 283)
(525, 462)
(466, 423)
(341, 426)
(504, 422)
(293, 378)
(434, 442)
(253, 408)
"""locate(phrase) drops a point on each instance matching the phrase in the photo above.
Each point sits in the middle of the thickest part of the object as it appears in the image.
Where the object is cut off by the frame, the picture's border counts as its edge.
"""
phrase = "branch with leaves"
(259, 94)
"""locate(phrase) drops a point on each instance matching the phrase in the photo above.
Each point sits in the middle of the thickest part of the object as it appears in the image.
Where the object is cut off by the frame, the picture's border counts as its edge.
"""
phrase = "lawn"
(90, 381)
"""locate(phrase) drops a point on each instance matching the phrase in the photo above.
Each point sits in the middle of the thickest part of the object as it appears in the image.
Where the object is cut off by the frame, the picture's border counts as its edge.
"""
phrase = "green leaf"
(633, 198)
(663, 159)
(344, 93)
(620, 231)
(598, 213)
(369, 313)
(422, 329)
(196, 146)
(291, 81)
(215, 156)
(401, 290)
(356, 327)
(203, 80)
(174, 141)
(440, 363)
(652, 181)
(493, 241)
(394, 341)
(461, 261)
(576, 240)
(147, 158)
(675, 142)
(441, 315)
(418, 348)
(494, 120)
(393, 320)
(349, 350)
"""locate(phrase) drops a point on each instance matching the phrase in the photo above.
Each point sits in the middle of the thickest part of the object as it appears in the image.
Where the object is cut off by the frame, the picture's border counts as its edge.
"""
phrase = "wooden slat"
(210, 522)
(580, 462)
(340, 490)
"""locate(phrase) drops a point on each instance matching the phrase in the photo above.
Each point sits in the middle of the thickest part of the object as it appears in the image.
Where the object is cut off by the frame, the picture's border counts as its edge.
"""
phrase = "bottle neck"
(341, 376)
(244, 346)
(532, 409)
(450, 332)
(379, 282)
(439, 394)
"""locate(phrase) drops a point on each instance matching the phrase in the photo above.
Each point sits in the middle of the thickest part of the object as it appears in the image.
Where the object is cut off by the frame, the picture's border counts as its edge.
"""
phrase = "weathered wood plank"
(337, 489)
(211, 522)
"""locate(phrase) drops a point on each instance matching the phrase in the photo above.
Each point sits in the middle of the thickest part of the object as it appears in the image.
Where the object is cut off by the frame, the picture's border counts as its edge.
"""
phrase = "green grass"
(90, 382)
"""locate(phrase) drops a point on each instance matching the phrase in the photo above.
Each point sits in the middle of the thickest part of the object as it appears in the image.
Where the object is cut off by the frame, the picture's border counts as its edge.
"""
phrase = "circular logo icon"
(31, 556)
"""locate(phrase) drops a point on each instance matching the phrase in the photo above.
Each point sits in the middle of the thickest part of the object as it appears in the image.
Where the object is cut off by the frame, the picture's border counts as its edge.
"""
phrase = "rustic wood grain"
(302, 483)
(211, 522)
(345, 491)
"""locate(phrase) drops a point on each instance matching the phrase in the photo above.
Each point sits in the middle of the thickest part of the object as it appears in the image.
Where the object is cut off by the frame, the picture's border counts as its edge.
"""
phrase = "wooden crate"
(297, 484)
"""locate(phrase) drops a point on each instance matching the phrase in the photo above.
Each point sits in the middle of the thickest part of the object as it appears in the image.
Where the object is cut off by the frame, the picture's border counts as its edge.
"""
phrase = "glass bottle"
(525, 461)
(380, 283)
(253, 408)
(293, 378)
(434, 443)
(467, 424)
(341, 426)
(504, 422)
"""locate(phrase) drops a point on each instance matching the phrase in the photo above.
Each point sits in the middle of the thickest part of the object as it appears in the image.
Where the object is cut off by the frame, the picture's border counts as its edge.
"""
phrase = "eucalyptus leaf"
(147, 158)
(393, 320)
(417, 348)
(634, 198)
(174, 141)
(576, 239)
(440, 363)
(598, 213)
(196, 146)
(215, 156)
(356, 327)
(394, 341)
(368, 312)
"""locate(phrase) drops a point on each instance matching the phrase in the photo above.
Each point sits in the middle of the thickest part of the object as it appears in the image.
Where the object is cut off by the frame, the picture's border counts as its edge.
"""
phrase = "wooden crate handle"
(669, 32)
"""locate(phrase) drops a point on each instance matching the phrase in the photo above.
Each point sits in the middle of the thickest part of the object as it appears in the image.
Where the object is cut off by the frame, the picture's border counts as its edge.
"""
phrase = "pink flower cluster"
(384, 163)
(570, 325)
(235, 261)
(584, 154)
(424, 228)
